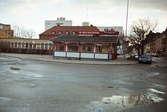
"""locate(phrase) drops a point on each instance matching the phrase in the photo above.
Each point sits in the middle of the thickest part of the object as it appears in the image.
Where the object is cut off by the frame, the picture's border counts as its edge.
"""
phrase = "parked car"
(132, 56)
(145, 58)
(156, 55)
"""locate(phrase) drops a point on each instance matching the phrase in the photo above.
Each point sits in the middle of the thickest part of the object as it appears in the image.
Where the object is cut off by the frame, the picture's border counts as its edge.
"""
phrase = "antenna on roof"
(86, 12)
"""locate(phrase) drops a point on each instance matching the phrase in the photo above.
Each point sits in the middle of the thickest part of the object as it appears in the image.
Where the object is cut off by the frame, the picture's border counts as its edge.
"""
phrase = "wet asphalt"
(38, 86)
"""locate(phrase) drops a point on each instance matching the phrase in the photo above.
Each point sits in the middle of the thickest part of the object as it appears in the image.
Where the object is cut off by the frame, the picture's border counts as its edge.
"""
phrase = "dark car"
(145, 58)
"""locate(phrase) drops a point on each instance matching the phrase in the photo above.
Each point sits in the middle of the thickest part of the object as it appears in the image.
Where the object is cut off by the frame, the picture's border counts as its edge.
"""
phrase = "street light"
(127, 18)
(125, 36)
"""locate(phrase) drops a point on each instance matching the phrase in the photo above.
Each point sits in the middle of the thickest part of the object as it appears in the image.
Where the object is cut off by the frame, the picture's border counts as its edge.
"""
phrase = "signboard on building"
(111, 30)
(87, 33)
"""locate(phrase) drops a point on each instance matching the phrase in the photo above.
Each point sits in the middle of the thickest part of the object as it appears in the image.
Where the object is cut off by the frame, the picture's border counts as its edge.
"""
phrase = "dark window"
(12, 45)
(50, 46)
(102, 49)
(22, 45)
(60, 47)
(87, 48)
(15, 45)
(42, 46)
(19, 44)
(34, 46)
(30, 46)
(46, 46)
(26, 45)
(72, 47)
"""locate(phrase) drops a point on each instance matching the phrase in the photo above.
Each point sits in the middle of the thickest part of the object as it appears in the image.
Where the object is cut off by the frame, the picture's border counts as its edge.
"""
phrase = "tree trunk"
(142, 48)
(138, 51)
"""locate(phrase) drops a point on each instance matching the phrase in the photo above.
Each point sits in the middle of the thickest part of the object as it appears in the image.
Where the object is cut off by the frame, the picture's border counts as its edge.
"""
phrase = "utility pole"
(127, 18)
(125, 36)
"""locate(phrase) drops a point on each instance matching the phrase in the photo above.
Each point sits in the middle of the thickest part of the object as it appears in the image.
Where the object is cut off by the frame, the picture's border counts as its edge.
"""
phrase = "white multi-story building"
(59, 22)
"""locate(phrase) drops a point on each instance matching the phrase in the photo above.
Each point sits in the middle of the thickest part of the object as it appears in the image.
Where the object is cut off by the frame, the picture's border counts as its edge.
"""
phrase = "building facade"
(59, 22)
(90, 47)
(156, 43)
(81, 31)
(26, 46)
(5, 31)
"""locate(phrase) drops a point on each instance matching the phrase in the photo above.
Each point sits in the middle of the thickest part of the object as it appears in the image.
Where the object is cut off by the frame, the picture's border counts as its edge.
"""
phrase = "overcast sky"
(31, 14)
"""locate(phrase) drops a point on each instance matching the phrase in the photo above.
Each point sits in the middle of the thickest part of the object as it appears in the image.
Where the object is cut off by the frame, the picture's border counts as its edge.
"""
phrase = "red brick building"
(93, 47)
(76, 31)
(68, 30)
(83, 41)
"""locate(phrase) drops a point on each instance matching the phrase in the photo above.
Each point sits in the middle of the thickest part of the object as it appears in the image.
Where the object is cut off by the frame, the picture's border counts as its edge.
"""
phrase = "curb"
(94, 62)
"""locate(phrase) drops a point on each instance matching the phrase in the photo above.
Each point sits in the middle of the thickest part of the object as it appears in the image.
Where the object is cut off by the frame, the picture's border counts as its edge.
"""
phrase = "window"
(59, 24)
(38, 45)
(50, 46)
(46, 46)
(42, 46)
(12, 45)
(72, 47)
(102, 49)
(30, 46)
(87, 48)
(67, 33)
(60, 47)
(23, 45)
(34, 46)
(60, 32)
(53, 32)
(15, 45)
(19, 45)
(74, 33)
(26, 45)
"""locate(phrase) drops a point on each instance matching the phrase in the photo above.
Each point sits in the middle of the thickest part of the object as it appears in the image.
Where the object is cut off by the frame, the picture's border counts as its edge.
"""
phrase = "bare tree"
(139, 29)
(21, 32)
(18, 31)
(31, 33)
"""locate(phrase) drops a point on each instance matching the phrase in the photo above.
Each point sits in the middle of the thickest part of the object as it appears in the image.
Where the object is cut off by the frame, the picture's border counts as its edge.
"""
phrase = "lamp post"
(127, 18)
(125, 36)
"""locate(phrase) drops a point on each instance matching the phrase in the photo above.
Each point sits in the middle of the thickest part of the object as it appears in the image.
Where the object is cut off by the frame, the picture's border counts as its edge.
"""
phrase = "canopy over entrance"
(88, 39)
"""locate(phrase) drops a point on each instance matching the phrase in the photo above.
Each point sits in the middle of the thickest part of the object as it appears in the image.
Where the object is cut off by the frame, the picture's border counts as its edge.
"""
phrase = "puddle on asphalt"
(14, 71)
(38, 76)
(156, 91)
(17, 70)
(31, 74)
(2, 58)
(153, 74)
(156, 73)
(5, 98)
(118, 103)
(158, 85)
(33, 85)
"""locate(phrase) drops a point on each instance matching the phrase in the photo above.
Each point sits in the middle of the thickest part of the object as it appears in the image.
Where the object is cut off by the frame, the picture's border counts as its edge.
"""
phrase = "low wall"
(81, 55)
